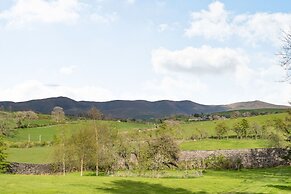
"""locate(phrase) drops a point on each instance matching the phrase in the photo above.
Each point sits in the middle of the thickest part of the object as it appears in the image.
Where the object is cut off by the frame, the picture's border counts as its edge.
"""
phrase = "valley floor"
(272, 180)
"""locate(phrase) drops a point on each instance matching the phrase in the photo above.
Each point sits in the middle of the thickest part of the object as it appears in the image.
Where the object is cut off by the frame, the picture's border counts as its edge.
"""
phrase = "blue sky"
(211, 52)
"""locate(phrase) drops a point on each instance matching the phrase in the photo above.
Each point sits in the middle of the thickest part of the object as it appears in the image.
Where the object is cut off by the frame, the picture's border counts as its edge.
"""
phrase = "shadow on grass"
(281, 187)
(263, 174)
(131, 187)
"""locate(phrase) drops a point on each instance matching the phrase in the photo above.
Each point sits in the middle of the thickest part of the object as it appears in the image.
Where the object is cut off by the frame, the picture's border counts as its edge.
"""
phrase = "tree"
(3, 155)
(62, 151)
(80, 151)
(256, 129)
(163, 151)
(159, 150)
(83, 147)
(96, 114)
(221, 129)
(285, 54)
(241, 128)
(58, 114)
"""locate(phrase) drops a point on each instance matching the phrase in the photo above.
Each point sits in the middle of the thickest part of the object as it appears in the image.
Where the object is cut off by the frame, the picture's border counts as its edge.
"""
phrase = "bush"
(221, 162)
(3, 155)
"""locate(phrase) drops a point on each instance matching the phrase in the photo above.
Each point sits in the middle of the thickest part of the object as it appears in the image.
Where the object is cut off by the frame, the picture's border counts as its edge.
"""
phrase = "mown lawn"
(220, 144)
(273, 180)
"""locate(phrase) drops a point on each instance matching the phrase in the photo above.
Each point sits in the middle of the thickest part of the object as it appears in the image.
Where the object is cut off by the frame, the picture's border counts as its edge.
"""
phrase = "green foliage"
(221, 162)
(3, 155)
(221, 129)
(159, 150)
(162, 152)
(82, 150)
(241, 128)
(279, 132)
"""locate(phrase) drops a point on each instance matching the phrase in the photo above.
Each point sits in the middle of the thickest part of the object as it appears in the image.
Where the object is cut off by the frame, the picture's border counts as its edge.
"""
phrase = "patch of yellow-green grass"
(224, 144)
(273, 180)
(47, 133)
(190, 128)
(37, 155)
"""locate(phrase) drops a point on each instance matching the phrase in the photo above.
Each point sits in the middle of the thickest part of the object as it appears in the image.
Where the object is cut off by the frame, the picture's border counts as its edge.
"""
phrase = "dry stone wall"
(24, 168)
(249, 158)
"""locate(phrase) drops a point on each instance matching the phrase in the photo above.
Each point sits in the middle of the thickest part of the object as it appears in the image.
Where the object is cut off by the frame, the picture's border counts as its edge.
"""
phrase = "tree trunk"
(82, 164)
(64, 165)
(96, 136)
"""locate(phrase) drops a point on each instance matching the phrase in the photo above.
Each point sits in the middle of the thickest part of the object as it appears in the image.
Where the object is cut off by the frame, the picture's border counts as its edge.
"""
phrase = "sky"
(210, 52)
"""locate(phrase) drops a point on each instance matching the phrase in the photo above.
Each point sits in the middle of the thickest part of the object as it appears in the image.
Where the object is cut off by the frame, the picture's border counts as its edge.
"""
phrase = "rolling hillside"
(124, 109)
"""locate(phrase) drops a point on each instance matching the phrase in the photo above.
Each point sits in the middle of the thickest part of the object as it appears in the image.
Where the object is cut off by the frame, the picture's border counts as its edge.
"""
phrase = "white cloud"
(203, 60)
(34, 89)
(104, 18)
(218, 23)
(130, 1)
(168, 27)
(163, 27)
(30, 11)
(168, 88)
(68, 70)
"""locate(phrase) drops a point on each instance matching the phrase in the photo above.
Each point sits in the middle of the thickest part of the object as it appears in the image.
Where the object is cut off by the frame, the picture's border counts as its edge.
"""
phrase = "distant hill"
(124, 109)
(253, 105)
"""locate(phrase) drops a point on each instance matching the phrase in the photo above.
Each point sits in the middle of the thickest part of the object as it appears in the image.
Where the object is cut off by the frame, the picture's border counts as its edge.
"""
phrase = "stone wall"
(24, 168)
(249, 158)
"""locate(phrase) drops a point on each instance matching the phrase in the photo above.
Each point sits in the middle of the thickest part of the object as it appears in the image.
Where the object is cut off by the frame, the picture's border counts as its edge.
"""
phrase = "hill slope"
(130, 109)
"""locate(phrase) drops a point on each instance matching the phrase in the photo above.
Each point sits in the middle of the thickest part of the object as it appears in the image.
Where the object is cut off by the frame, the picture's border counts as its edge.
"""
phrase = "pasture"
(273, 180)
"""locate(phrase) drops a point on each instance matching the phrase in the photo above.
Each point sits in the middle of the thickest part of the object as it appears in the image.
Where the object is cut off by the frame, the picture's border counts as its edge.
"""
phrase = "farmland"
(273, 180)
(35, 152)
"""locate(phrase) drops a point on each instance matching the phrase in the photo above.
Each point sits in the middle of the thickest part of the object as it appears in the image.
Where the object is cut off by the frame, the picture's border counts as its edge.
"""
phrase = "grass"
(42, 154)
(37, 155)
(273, 180)
(47, 133)
(189, 128)
(216, 144)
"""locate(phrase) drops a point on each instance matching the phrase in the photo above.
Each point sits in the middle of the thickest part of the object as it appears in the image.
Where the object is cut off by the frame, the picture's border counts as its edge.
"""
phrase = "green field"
(216, 144)
(47, 133)
(187, 129)
(273, 180)
(36, 155)
(42, 154)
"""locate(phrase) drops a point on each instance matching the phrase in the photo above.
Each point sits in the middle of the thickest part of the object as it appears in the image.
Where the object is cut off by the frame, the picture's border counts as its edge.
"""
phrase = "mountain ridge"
(131, 109)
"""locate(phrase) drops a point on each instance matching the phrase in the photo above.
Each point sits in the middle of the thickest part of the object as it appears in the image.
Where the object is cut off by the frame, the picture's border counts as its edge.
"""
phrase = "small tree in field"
(241, 128)
(58, 114)
(221, 129)
(256, 130)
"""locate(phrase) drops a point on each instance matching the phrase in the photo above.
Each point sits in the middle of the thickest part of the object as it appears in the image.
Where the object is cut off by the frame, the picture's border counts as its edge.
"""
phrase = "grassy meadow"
(224, 144)
(47, 133)
(273, 180)
(35, 155)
